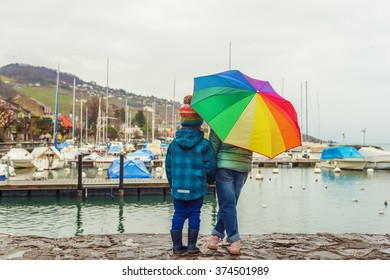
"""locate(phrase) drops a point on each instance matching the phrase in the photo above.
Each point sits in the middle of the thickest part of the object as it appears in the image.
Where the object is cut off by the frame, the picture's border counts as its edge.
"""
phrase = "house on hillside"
(18, 112)
(36, 108)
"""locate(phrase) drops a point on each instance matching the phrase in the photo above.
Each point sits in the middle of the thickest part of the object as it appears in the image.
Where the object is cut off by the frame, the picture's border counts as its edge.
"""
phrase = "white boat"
(351, 163)
(343, 157)
(105, 161)
(86, 149)
(6, 171)
(115, 148)
(47, 158)
(377, 158)
(19, 158)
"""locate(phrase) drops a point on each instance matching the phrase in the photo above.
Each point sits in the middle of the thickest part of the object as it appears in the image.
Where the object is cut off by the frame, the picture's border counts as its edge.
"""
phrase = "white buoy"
(159, 172)
(381, 212)
(355, 200)
(259, 176)
(37, 175)
(370, 171)
(303, 187)
(325, 186)
(337, 170)
(264, 206)
(275, 171)
(317, 170)
(362, 188)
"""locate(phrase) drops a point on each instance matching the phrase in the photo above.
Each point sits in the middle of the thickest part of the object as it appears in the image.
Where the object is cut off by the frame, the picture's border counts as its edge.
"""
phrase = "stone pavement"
(276, 246)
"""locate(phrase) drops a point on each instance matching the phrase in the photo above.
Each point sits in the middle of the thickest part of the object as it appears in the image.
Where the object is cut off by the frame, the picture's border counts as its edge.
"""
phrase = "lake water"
(296, 200)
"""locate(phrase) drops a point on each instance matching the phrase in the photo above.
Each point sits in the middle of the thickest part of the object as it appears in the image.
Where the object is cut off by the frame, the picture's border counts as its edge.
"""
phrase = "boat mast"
(173, 109)
(98, 125)
(230, 55)
(86, 124)
(81, 122)
(318, 111)
(307, 122)
(301, 113)
(107, 102)
(153, 117)
(126, 122)
(56, 109)
(74, 113)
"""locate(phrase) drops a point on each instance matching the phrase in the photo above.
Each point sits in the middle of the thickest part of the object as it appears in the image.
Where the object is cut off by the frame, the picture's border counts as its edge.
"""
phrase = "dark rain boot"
(192, 238)
(177, 241)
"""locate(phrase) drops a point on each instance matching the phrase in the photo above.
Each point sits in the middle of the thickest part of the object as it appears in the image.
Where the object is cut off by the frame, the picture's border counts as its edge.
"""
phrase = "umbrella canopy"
(47, 135)
(246, 112)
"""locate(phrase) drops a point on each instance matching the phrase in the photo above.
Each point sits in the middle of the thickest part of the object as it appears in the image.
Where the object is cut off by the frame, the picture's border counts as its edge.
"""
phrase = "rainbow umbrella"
(246, 112)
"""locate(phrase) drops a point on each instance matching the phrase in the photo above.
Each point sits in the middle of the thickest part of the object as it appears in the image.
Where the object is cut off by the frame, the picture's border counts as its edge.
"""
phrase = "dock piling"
(121, 163)
(80, 175)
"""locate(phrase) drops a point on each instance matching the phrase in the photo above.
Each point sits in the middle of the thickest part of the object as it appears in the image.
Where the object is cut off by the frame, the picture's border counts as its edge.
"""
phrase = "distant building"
(17, 110)
(36, 108)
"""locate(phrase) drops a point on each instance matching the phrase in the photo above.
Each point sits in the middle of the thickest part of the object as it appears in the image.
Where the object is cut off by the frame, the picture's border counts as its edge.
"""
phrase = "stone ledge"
(276, 246)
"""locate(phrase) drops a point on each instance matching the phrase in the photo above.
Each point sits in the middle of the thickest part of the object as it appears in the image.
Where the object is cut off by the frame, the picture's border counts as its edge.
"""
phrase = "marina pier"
(89, 187)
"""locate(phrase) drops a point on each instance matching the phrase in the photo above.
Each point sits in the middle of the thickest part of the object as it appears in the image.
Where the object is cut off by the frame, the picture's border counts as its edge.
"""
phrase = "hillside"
(40, 82)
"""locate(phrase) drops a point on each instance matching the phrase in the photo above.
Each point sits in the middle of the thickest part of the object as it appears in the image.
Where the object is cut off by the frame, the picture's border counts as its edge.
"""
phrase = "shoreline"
(275, 246)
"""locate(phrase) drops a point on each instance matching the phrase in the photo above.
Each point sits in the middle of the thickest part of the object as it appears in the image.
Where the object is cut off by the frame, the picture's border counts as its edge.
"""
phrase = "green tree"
(139, 119)
(44, 125)
(112, 132)
(120, 115)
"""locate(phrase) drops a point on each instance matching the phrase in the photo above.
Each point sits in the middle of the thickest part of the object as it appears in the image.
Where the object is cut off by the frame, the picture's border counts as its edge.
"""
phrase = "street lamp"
(364, 136)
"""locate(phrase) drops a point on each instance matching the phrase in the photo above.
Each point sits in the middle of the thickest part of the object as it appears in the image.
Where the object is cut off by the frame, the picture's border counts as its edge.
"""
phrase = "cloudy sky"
(155, 47)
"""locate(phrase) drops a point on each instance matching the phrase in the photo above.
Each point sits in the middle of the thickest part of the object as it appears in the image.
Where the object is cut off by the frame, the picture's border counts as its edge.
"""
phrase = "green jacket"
(230, 157)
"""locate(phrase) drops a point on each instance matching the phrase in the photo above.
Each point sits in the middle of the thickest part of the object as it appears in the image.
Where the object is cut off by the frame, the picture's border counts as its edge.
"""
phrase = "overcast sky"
(340, 47)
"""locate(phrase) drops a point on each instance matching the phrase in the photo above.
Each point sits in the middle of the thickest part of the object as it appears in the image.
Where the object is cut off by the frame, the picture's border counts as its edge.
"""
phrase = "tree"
(112, 132)
(5, 121)
(44, 125)
(93, 110)
(120, 115)
(139, 119)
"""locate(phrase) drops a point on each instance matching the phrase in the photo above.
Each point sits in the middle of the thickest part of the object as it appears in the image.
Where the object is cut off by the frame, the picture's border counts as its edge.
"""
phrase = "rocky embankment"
(277, 246)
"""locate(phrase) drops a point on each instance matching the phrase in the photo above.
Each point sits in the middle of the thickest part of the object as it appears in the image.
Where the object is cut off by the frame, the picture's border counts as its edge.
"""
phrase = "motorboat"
(377, 158)
(86, 149)
(144, 155)
(19, 158)
(69, 153)
(47, 158)
(6, 171)
(115, 148)
(343, 157)
(104, 162)
(100, 149)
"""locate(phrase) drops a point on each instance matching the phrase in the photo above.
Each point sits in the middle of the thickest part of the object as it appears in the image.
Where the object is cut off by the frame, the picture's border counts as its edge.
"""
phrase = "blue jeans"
(187, 209)
(229, 184)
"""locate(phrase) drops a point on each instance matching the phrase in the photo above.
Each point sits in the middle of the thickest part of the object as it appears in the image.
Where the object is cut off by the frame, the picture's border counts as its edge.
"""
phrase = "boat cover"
(340, 152)
(131, 169)
(143, 154)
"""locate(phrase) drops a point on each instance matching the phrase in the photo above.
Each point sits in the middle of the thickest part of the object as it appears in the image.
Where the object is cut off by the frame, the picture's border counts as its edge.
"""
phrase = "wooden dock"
(290, 162)
(90, 187)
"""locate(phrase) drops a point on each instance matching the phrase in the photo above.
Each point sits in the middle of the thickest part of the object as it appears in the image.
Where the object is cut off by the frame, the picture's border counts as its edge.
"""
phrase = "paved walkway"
(278, 246)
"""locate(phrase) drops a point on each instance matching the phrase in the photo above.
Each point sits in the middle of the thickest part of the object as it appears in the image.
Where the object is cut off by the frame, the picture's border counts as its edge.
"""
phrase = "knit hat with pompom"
(188, 116)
